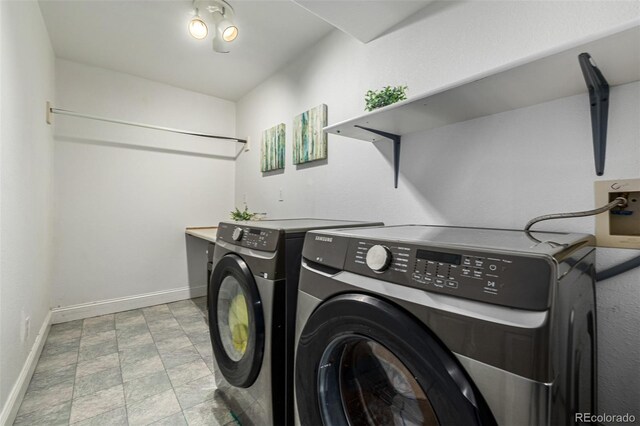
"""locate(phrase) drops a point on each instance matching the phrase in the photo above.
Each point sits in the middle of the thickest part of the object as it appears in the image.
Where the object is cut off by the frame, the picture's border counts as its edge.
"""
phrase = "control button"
(492, 267)
(466, 261)
(466, 271)
(451, 284)
(491, 283)
(417, 276)
(237, 234)
(477, 273)
(438, 282)
(428, 280)
(479, 263)
(378, 258)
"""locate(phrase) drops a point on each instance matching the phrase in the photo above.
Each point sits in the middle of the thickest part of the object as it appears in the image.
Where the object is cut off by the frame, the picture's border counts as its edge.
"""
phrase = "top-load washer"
(252, 304)
(414, 325)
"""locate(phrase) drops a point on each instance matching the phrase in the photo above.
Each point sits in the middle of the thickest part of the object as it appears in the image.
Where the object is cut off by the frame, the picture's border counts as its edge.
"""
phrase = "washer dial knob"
(378, 258)
(237, 234)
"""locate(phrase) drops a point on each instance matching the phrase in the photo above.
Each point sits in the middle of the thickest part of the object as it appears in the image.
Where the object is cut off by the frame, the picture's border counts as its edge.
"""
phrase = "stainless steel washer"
(413, 325)
(252, 305)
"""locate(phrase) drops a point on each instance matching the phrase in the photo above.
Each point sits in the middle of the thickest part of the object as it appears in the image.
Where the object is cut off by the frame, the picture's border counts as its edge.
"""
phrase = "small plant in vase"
(242, 215)
(386, 96)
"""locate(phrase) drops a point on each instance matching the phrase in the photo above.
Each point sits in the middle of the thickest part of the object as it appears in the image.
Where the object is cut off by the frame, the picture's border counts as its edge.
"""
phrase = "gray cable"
(620, 201)
(607, 273)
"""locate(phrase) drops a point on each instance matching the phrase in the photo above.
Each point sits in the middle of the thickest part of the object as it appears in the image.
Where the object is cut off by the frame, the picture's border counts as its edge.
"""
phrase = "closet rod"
(51, 110)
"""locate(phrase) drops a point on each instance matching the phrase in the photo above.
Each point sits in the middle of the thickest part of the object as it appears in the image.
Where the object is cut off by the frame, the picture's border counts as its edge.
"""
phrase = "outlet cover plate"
(603, 193)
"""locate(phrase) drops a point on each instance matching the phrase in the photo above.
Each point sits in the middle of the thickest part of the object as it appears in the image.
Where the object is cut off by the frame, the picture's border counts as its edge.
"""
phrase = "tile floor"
(147, 366)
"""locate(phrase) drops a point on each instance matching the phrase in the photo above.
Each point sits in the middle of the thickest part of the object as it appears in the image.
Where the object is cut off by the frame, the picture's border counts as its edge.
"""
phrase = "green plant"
(385, 96)
(243, 215)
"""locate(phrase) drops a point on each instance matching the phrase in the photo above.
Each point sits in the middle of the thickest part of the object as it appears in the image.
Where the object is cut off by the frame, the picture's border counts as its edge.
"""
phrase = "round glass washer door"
(236, 321)
(233, 318)
(376, 388)
(363, 361)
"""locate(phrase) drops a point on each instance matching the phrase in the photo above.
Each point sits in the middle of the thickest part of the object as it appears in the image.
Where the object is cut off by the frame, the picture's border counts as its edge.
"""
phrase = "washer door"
(236, 321)
(363, 361)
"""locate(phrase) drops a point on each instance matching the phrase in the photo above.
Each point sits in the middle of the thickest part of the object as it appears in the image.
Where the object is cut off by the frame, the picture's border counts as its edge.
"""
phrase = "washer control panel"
(245, 236)
(500, 278)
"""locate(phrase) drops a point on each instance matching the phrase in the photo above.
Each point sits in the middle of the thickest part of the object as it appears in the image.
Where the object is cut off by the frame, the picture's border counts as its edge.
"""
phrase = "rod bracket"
(599, 100)
(48, 113)
(396, 139)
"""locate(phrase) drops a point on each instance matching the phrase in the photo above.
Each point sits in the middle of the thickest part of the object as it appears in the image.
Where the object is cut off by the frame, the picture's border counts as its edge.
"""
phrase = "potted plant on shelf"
(242, 215)
(386, 96)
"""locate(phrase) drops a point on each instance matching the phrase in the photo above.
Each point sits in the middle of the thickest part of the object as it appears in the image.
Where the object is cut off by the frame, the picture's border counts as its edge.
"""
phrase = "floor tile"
(165, 334)
(163, 324)
(168, 345)
(208, 360)
(208, 413)
(144, 387)
(204, 349)
(132, 330)
(56, 361)
(158, 311)
(181, 304)
(93, 383)
(95, 365)
(100, 349)
(97, 403)
(195, 327)
(97, 338)
(137, 340)
(117, 417)
(129, 319)
(64, 335)
(60, 347)
(52, 396)
(200, 338)
(174, 420)
(98, 324)
(137, 354)
(154, 408)
(189, 372)
(65, 326)
(195, 392)
(142, 368)
(48, 378)
(46, 416)
(179, 356)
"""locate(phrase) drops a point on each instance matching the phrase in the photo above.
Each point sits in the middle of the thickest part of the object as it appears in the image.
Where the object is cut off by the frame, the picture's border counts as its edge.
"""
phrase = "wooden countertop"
(207, 233)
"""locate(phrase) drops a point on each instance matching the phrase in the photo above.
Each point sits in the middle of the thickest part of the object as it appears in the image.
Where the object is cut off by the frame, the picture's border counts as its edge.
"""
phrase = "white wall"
(124, 195)
(497, 171)
(27, 81)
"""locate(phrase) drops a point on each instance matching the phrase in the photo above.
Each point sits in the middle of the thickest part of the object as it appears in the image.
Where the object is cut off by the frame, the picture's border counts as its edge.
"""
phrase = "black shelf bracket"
(396, 149)
(599, 100)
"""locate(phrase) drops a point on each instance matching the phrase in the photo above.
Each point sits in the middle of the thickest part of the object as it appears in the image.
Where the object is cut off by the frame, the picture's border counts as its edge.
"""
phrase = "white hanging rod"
(52, 110)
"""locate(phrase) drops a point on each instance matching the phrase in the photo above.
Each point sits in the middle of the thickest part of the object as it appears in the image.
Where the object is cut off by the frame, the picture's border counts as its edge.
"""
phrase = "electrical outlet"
(620, 227)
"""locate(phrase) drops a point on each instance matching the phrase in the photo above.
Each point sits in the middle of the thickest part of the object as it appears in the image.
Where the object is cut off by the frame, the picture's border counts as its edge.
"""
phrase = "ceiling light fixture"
(221, 14)
(197, 27)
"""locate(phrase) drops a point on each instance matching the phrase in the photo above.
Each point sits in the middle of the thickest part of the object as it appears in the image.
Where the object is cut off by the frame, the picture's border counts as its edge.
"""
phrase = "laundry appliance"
(252, 297)
(414, 325)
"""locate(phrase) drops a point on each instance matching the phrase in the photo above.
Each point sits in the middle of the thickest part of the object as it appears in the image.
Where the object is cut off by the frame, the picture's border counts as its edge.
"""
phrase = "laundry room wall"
(124, 195)
(496, 171)
(26, 153)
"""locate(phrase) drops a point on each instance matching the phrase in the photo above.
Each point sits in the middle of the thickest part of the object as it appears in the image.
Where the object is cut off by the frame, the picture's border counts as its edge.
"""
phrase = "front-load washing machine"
(252, 297)
(415, 325)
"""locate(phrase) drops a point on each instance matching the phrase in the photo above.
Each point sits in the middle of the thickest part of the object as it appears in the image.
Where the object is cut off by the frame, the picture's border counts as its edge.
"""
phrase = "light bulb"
(230, 33)
(198, 29)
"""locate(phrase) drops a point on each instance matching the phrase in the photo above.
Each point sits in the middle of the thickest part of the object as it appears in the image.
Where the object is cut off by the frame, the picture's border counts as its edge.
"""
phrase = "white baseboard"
(10, 409)
(103, 307)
